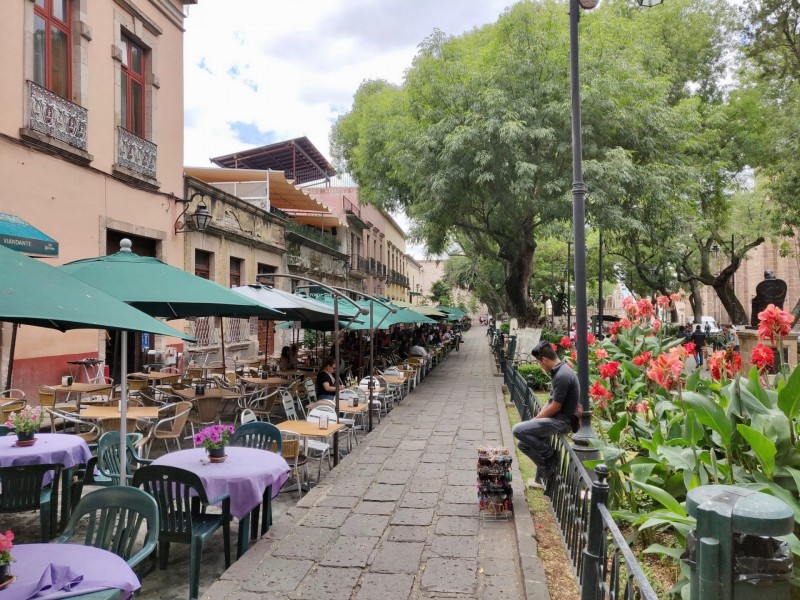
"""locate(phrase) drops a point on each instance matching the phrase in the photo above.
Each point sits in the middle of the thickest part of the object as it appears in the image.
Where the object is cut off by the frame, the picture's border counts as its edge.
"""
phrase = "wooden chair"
(182, 498)
(10, 406)
(115, 517)
(22, 489)
(208, 410)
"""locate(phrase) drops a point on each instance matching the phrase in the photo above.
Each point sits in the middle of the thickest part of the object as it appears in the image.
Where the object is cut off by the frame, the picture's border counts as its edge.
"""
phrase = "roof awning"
(23, 237)
(282, 193)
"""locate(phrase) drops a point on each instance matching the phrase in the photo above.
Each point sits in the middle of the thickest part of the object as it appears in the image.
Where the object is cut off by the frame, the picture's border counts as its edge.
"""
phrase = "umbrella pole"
(123, 413)
(371, 357)
(11, 355)
(222, 344)
(338, 375)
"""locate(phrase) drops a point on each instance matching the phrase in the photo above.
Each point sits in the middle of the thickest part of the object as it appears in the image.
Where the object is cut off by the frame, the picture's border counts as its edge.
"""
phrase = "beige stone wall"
(68, 199)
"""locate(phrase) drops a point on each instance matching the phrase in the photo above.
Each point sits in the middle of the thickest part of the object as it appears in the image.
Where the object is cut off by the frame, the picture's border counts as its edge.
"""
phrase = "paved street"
(399, 518)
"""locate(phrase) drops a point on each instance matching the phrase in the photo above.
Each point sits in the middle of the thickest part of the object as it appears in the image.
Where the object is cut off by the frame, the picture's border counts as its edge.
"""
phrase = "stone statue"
(770, 291)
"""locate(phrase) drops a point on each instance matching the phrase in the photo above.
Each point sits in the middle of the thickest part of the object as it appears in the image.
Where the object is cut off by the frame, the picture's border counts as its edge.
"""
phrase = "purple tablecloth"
(50, 448)
(244, 475)
(64, 570)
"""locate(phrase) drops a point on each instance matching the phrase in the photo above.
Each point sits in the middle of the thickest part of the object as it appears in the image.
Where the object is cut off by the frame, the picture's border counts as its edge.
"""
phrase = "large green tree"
(477, 138)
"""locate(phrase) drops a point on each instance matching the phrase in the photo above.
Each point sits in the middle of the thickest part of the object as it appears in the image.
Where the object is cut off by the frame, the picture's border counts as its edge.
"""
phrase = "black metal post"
(591, 575)
(569, 293)
(733, 257)
(338, 379)
(579, 232)
(600, 301)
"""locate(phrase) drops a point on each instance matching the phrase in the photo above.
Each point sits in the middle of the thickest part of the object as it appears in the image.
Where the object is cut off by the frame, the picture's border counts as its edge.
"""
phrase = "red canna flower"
(663, 301)
(691, 348)
(666, 369)
(590, 339)
(614, 328)
(608, 370)
(676, 297)
(724, 364)
(600, 395)
(642, 359)
(629, 306)
(762, 357)
(565, 342)
(573, 355)
(656, 325)
(601, 354)
(625, 323)
(774, 322)
(644, 308)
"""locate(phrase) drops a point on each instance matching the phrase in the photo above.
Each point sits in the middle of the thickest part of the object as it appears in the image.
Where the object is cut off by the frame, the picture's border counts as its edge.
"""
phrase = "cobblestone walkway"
(398, 519)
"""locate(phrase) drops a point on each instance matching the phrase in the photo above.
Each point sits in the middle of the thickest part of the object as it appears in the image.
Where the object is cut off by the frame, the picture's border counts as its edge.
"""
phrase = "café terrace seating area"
(120, 520)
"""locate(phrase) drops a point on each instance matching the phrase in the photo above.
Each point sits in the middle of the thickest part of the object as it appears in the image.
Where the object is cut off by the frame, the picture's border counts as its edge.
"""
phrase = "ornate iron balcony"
(57, 117)
(136, 154)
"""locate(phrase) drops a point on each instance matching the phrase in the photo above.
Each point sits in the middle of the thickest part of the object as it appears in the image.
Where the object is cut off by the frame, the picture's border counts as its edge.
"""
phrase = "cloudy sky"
(261, 71)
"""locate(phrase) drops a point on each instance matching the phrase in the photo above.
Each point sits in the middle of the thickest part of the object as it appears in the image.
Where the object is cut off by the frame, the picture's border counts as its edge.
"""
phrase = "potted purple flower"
(214, 439)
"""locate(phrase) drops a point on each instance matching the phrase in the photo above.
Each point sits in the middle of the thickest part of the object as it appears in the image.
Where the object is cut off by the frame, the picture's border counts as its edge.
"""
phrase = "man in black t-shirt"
(699, 341)
(555, 417)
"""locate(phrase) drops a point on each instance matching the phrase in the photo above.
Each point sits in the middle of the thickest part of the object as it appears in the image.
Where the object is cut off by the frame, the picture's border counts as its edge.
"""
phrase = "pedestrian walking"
(699, 341)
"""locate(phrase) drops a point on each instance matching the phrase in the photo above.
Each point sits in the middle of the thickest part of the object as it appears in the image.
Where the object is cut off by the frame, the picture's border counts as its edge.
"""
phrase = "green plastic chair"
(263, 436)
(107, 460)
(115, 517)
(5, 430)
(181, 498)
(21, 490)
(258, 434)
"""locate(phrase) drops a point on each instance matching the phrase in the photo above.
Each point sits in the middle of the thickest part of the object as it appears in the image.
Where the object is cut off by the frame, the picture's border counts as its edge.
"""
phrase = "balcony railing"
(136, 154)
(398, 279)
(373, 266)
(349, 207)
(57, 117)
(279, 213)
(359, 264)
(313, 234)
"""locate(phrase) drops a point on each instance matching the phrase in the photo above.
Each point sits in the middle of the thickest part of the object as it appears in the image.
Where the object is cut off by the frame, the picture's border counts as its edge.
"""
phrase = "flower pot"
(5, 571)
(217, 455)
(25, 438)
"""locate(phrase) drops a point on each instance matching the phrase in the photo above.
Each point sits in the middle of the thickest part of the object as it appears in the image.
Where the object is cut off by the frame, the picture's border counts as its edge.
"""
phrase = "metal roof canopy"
(282, 194)
(298, 158)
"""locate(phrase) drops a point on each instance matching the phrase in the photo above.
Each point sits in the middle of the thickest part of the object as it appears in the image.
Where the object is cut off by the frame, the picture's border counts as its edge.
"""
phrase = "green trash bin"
(733, 553)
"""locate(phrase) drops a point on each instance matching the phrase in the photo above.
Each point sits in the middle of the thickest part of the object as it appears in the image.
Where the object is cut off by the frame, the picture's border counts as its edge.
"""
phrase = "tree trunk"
(517, 283)
(696, 300)
(724, 289)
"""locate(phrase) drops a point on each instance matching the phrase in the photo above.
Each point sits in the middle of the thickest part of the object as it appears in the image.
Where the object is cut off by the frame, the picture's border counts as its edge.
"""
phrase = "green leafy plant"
(535, 376)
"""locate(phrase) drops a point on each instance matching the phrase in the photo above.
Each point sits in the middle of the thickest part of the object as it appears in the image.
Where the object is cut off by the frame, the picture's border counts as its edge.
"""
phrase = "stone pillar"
(748, 339)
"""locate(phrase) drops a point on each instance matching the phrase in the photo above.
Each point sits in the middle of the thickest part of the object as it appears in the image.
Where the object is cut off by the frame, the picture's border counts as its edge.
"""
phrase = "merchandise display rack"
(494, 483)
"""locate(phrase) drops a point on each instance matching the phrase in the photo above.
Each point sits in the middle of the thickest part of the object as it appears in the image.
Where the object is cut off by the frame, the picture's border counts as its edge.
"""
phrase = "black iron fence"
(603, 563)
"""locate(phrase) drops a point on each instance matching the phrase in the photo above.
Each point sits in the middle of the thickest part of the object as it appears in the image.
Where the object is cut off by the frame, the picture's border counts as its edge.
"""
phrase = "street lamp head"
(588, 4)
(649, 3)
(715, 249)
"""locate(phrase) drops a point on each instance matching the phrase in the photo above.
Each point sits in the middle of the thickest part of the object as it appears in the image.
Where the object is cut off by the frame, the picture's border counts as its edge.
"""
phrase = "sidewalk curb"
(533, 575)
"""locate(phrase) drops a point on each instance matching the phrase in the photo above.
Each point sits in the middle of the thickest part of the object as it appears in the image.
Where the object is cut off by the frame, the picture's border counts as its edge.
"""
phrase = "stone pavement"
(398, 518)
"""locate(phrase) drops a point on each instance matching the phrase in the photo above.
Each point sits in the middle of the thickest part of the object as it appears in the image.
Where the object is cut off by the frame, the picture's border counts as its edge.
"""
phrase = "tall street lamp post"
(590, 579)
(585, 433)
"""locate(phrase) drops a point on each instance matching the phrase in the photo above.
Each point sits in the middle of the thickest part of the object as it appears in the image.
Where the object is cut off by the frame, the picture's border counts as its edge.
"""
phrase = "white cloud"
(258, 71)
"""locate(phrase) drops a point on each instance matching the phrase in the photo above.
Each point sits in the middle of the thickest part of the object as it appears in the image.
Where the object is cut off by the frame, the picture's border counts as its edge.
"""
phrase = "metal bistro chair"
(320, 449)
(297, 461)
(22, 489)
(115, 518)
(181, 499)
(170, 425)
(263, 436)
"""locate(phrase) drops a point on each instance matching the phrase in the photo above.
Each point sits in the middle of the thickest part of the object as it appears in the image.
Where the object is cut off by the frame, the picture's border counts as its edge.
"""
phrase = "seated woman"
(326, 382)
(285, 361)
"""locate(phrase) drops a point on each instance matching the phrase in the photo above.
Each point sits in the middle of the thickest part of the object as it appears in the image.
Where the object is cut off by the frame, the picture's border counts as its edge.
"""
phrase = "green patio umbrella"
(384, 318)
(162, 290)
(34, 293)
(454, 312)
